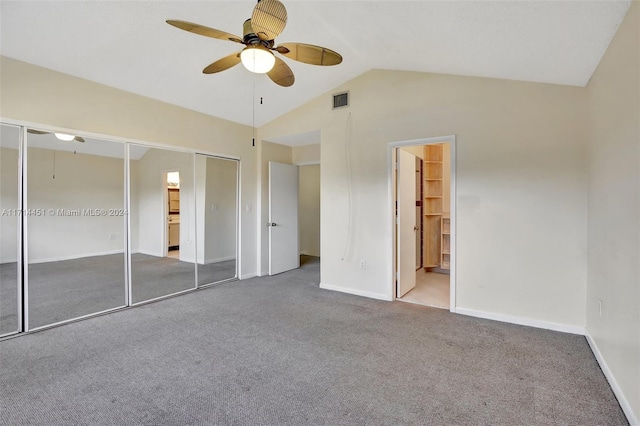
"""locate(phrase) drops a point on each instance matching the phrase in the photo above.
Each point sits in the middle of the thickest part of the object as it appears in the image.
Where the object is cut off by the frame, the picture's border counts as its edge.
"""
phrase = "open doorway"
(423, 210)
(172, 214)
(309, 213)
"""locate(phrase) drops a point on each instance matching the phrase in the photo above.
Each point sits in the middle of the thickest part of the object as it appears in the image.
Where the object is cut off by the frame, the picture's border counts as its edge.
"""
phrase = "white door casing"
(283, 218)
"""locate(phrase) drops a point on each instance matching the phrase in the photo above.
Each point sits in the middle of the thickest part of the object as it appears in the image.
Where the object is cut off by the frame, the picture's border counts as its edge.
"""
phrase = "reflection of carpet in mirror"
(8, 297)
(72, 288)
(214, 272)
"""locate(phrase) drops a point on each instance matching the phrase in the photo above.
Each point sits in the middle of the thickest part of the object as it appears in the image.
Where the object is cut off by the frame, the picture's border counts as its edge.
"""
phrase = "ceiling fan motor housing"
(248, 36)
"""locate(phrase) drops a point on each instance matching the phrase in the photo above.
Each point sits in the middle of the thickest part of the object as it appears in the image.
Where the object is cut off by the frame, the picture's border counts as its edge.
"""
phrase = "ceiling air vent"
(341, 100)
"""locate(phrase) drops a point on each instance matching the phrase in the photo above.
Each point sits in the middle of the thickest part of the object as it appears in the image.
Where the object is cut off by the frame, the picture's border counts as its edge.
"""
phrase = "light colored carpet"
(280, 351)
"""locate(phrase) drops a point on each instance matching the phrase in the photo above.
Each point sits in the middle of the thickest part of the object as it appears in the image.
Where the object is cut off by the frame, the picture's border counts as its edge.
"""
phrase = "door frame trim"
(391, 150)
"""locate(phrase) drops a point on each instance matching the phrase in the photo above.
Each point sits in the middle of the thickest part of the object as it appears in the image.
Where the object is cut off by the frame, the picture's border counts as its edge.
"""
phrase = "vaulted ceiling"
(128, 45)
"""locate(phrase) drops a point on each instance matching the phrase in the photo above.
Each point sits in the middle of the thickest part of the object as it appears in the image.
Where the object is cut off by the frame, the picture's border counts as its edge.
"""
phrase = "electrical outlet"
(600, 307)
(363, 264)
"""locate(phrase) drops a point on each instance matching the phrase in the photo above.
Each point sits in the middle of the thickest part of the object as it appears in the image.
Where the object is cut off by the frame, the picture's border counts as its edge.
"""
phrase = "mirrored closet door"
(162, 204)
(75, 226)
(9, 228)
(217, 213)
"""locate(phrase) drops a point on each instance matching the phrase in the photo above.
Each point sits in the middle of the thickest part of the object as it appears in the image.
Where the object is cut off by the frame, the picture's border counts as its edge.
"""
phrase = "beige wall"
(521, 187)
(306, 154)
(281, 154)
(613, 273)
(39, 95)
(309, 209)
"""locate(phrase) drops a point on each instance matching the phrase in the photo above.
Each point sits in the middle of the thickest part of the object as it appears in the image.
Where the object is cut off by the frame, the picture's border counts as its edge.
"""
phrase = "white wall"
(81, 182)
(521, 186)
(309, 209)
(220, 215)
(614, 213)
(39, 95)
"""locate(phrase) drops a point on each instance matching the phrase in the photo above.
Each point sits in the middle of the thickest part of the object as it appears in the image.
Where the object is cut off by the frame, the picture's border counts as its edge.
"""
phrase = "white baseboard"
(219, 259)
(624, 403)
(564, 328)
(148, 253)
(247, 276)
(74, 256)
(356, 292)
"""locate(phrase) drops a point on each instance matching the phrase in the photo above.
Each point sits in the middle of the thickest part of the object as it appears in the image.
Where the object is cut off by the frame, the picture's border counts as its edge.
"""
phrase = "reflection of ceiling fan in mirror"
(267, 22)
(61, 136)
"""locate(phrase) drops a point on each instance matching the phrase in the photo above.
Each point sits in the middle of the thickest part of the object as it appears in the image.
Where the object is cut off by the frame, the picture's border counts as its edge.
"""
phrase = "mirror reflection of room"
(75, 216)
(9, 228)
(173, 214)
(217, 213)
(88, 215)
(162, 222)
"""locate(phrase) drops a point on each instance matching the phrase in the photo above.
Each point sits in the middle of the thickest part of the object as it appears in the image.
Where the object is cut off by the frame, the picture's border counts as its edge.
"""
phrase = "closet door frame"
(391, 150)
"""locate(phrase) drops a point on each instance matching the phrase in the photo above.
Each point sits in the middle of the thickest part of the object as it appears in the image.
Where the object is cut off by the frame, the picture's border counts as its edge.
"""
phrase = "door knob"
(272, 224)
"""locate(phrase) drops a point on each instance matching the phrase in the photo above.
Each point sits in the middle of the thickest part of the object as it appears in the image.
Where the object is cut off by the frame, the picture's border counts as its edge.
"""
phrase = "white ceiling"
(10, 139)
(128, 45)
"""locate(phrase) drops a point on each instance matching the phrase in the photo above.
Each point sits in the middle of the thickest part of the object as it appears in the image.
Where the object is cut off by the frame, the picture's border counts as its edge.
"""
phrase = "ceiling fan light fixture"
(257, 59)
(65, 137)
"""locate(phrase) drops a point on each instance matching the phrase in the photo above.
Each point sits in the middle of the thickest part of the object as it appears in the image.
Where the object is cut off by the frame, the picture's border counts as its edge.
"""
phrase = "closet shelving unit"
(445, 261)
(432, 221)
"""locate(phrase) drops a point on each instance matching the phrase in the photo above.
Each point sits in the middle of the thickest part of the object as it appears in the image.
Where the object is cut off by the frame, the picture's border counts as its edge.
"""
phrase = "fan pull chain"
(54, 165)
(253, 112)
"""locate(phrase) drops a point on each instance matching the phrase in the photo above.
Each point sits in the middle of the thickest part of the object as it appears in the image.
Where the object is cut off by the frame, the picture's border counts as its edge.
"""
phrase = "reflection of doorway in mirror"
(173, 214)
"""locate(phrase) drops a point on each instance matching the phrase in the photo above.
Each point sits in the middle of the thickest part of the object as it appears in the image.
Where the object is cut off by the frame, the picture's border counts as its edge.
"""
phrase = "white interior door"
(406, 229)
(283, 218)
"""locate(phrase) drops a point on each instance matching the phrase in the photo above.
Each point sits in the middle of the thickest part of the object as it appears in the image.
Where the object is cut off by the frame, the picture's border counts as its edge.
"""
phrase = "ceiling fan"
(61, 136)
(267, 22)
